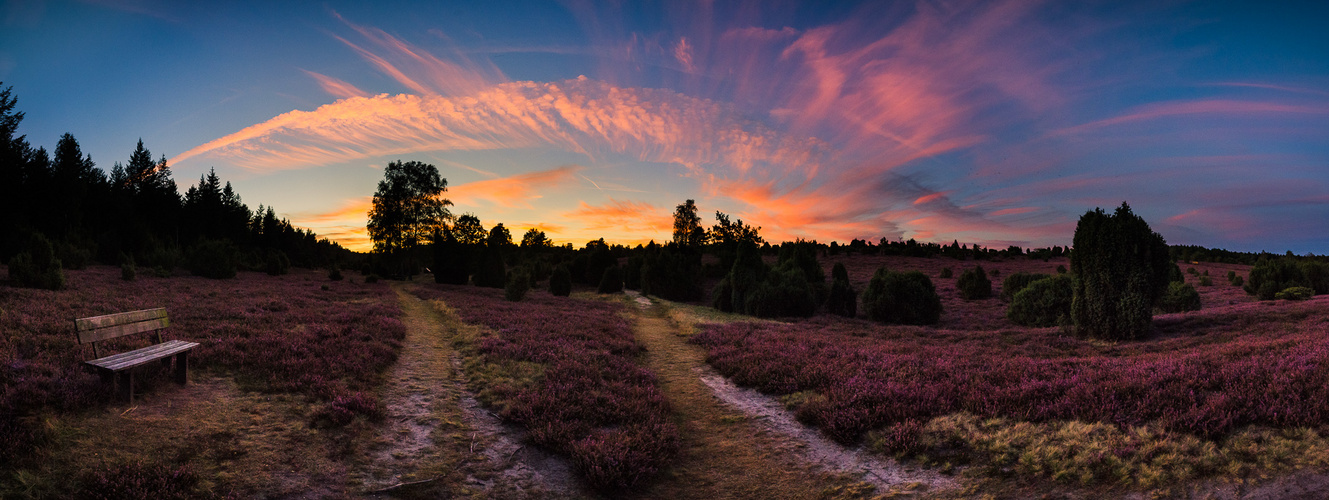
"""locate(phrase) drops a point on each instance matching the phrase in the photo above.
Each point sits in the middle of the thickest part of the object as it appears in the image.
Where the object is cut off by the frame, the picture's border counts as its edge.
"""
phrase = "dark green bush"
(36, 266)
(611, 280)
(1121, 269)
(276, 263)
(1206, 281)
(672, 273)
(492, 272)
(560, 281)
(216, 259)
(1231, 276)
(1061, 269)
(632, 272)
(371, 278)
(1295, 293)
(1270, 276)
(974, 284)
(334, 273)
(452, 260)
(1174, 274)
(519, 281)
(1317, 275)
(1180, 297)
(722, 296)
(843, 300)
(1191, 271)
(73, 256)
(1238, 281)
(908, 298)
(784, 292)
(1043, 302)
(128, 271)
(1016, 282)
(946, 273)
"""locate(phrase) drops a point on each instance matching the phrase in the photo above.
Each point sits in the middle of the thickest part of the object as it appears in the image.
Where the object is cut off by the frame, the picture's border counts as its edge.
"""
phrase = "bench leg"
(128, 389)
(181, 368)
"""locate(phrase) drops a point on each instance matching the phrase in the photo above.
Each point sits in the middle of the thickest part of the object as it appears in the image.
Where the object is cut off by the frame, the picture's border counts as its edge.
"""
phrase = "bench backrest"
(109, 326)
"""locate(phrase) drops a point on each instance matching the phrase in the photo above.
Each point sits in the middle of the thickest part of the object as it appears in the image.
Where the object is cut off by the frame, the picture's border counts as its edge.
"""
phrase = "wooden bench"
(98, 328)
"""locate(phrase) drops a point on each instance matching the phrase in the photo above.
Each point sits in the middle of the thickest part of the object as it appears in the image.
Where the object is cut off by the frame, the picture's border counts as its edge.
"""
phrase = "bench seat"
(130, 359)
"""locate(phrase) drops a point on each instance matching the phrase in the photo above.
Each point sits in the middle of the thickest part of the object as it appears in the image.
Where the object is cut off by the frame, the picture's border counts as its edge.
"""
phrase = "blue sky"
(996, 122)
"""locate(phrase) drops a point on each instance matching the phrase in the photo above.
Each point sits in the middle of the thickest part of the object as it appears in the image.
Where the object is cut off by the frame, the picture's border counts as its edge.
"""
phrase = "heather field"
(1237, 387)
(565, 369)
(300, 335)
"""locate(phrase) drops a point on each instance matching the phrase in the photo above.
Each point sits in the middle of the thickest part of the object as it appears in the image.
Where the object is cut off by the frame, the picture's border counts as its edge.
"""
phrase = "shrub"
(1016, 282)
(1206, 281)
(974, 284)
(632, 273)
(1238, 281)
(908, 298)
(214, 259)
(722, 296)
(1191, 271)
(492, 272)
(371, 278)
(560, 281)
(334, 273)
(1061, 269)
(73, 256)
(784, 292)
(452, 260)
(519, 282)
(1180, 297)
(946, 273)
(36, 266)
(1044, 302)
(1295, 293)
(1317, 276)
(1231, 276)
(843, 300)
(1121, 270)
(128, 271)
(276, 263)
(1270, 276)
(672, 273)
(1174, 274)
(611, 281)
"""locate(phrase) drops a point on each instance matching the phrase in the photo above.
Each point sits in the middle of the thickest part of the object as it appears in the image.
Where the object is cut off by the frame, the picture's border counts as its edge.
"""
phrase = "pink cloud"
(516, 191)
(1211, 106)
(335, 87)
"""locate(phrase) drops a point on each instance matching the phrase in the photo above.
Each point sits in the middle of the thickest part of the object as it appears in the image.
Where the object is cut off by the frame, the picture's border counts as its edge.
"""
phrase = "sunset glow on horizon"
(991, 122)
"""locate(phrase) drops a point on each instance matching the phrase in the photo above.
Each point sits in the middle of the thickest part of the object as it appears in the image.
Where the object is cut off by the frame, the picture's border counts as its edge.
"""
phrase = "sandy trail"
(437, 440)
(740, 443)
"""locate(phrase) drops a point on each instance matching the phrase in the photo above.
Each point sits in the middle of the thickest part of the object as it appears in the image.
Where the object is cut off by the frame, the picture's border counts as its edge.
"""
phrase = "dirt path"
(437, 441)
(741, 444)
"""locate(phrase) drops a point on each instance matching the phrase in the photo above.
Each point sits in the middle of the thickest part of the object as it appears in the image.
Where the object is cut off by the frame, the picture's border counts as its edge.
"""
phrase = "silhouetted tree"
(408, 207)
(468, 230)
(535, 239)
(1120, 267)
(843, 300)
(452, 260)
(687, 226)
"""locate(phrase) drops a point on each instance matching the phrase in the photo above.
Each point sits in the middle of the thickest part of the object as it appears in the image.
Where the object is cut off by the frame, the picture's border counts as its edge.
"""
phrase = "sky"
(996, 122)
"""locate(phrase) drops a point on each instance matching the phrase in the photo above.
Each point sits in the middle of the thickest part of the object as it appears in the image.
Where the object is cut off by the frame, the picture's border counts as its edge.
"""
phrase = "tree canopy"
(408, 206)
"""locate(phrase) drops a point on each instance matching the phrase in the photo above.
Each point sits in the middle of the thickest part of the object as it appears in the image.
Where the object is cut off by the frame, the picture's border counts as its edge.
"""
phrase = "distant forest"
(135, 214)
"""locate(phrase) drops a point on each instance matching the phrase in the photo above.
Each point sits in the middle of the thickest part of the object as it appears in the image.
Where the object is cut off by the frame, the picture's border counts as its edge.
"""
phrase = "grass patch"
(1088, 454)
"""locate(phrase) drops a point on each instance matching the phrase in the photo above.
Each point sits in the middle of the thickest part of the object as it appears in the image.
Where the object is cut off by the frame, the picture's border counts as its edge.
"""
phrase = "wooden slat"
(106, 320)
(111, 332)
(147, 354)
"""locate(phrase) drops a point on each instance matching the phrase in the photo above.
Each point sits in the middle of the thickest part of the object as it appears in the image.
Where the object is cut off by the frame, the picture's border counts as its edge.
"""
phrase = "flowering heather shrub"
(974, 284)
(137, 481)
(279, 334)
(1206, 385)
(592, 402)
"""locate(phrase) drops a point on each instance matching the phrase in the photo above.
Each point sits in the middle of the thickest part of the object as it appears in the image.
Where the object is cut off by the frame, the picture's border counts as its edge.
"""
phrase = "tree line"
(59, 210)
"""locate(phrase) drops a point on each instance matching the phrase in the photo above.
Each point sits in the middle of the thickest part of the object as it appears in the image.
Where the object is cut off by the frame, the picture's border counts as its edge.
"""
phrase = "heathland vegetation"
(1101, 364)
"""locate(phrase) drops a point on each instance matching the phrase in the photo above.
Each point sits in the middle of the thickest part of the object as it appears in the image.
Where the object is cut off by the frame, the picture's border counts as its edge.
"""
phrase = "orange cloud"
(514, 191)
(344, 224)
(633, 217)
